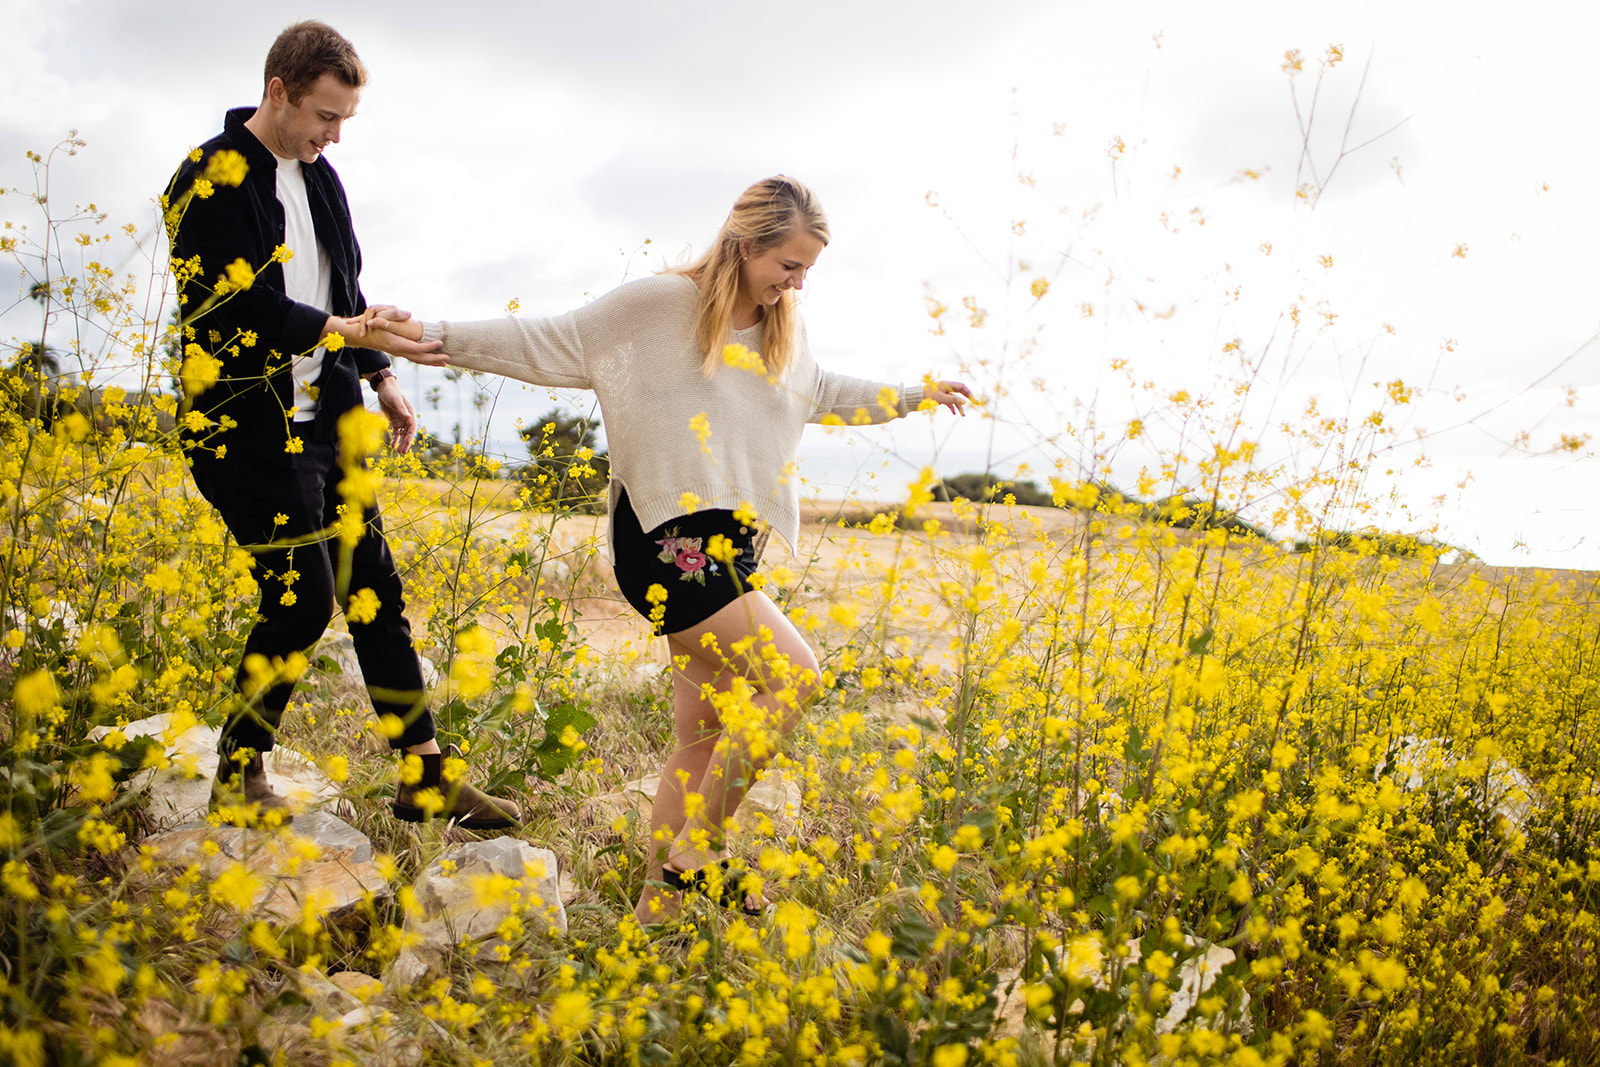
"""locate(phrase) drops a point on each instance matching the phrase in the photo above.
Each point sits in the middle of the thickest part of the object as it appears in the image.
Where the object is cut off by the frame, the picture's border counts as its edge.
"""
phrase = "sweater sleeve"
(538, 351)
(857, 401)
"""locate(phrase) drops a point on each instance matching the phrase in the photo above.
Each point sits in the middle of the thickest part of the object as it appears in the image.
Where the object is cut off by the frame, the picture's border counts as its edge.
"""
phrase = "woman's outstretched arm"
(857, 400)
(537, 351)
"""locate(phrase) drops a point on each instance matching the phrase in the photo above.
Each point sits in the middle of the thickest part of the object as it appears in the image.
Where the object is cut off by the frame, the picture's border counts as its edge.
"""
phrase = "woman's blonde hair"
(765, 215)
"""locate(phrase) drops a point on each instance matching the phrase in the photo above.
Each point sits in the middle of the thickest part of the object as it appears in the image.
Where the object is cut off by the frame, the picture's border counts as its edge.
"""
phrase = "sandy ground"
(828, 564)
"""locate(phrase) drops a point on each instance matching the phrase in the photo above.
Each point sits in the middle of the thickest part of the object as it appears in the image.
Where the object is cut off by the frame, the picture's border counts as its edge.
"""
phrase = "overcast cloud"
(529, 151)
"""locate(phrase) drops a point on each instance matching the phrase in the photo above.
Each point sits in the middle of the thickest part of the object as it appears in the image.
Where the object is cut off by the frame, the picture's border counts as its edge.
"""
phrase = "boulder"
(184, 1041)
(468, 894)
(1197, 973)
(361, 1022)
(59, 612)
(318, 866)
(1494, 786)
(340, 649)
(181, 792)
(637, 796)
(430, 672)
(366, 1036)
(327, 997)
(363, 987)
(775, 794)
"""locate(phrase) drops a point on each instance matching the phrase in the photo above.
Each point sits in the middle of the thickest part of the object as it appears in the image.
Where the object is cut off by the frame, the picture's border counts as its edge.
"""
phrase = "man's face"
(303, 130)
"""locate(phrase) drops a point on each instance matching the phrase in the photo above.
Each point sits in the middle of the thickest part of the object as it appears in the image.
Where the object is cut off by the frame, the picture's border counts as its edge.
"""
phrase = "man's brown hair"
(305, 52)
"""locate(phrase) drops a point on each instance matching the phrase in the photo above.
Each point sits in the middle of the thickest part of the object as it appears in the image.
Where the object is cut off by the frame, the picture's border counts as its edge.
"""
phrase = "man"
(267, 378)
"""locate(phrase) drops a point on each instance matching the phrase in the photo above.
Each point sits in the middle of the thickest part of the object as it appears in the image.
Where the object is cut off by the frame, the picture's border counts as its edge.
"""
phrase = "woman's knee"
(805, 671)
(788, 667)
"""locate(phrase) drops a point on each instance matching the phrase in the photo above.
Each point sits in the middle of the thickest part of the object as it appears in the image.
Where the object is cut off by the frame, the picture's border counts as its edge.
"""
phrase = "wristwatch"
(376, 378)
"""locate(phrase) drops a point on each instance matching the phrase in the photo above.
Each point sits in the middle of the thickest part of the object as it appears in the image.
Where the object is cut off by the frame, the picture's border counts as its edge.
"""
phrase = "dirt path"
(831, 564)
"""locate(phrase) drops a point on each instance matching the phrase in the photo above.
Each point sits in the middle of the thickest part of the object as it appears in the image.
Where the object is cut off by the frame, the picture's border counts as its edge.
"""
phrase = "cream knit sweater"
(635, 347)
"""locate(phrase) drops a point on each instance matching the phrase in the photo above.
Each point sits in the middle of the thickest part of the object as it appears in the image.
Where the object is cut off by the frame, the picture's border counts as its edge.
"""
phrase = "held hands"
(387, 328)
(398, 334)
(953, 395)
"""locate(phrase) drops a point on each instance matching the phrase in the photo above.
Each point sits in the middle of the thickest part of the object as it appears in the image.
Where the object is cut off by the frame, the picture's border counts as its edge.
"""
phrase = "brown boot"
(247, 785)
(462, 804)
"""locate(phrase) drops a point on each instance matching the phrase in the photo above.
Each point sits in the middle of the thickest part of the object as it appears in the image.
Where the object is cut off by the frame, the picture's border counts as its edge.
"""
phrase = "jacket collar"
(258, 155)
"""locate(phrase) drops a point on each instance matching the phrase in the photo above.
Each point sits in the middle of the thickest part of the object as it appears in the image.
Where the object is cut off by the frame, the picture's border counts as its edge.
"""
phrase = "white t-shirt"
(307, 276)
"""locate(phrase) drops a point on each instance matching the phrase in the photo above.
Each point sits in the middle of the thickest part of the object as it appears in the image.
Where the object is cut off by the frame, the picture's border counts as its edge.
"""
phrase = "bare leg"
(735, 658)
(697, 730)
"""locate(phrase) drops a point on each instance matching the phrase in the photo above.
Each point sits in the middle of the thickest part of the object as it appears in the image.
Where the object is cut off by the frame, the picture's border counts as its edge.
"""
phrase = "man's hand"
(387, 328)
(402, 416)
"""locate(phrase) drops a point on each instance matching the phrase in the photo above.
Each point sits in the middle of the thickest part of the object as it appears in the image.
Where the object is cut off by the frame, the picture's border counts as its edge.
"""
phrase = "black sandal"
(732, 895)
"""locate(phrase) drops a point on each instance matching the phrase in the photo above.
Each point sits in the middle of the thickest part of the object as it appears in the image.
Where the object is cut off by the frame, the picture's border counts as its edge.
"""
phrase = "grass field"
(1061, 755)
(1103, 782)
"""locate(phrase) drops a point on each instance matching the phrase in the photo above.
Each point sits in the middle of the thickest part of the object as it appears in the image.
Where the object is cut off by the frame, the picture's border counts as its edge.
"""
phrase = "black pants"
(296, 560)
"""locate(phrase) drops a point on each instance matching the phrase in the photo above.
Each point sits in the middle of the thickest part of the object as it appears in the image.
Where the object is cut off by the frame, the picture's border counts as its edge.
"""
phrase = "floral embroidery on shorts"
(688, 555)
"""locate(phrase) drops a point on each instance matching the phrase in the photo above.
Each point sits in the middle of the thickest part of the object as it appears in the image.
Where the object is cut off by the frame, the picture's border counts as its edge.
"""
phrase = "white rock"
(646, 673)
(776, 794)
(181, 793)
(326, 997)
(1197, 974)
(71, 626)
(369, 1033)
(362, 987)
(340, 648)
(358, 1017)
(455, 908)
(1499, 789)
(636, 796)
(331, 880)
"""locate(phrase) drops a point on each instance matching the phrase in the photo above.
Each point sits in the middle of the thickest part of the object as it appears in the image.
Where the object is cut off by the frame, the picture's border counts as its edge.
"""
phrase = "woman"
(703, 437)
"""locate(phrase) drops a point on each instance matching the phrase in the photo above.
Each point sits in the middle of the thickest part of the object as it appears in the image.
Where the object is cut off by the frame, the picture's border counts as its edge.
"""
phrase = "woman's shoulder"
(667, 294)
(668, 286)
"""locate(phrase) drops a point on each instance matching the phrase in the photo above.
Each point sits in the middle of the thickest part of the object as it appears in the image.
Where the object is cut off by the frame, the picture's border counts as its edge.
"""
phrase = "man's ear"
(277, 93)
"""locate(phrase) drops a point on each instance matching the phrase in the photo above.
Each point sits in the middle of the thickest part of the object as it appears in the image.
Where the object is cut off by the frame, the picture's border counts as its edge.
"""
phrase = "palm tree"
(38, 362)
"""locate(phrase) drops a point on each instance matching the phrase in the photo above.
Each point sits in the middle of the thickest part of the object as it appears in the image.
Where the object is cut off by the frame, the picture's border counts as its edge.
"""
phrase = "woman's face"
(765, 276)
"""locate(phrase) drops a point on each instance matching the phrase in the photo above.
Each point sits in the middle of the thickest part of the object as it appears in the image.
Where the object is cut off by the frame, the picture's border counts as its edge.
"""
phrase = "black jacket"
(247, 222)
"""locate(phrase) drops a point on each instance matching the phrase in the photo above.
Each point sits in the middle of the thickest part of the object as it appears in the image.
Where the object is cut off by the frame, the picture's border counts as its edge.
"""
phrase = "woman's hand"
(953, 395)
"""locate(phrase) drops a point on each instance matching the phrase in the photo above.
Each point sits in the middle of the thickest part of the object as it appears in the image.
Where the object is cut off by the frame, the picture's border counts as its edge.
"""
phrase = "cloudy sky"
(1143, 159)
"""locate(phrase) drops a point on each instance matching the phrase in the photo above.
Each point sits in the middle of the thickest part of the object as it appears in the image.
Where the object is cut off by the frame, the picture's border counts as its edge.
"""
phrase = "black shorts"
(672, 560)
